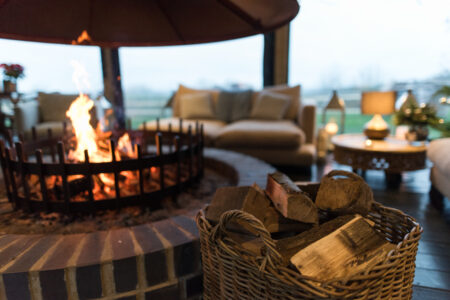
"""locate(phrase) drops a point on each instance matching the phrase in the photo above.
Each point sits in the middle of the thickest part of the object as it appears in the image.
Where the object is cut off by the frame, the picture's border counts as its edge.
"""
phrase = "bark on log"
(348, 250)
(244, 198)
(344, 192)
(252, 200)
(289, 200)
(310, 188)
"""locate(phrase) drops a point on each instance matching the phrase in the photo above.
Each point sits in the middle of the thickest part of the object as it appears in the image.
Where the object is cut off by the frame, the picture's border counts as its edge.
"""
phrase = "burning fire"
(95, 141)
(88, 138)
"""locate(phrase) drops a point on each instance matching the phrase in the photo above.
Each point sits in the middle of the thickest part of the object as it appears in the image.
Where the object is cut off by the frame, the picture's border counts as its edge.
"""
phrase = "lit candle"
(368, 143)
(332, 127)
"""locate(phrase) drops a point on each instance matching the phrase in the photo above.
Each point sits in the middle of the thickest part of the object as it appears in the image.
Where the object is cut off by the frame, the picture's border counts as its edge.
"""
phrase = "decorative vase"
(417, 133)
(9, 86)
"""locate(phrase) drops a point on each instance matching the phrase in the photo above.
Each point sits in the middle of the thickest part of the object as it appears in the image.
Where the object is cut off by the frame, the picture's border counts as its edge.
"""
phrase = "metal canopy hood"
(114, 23)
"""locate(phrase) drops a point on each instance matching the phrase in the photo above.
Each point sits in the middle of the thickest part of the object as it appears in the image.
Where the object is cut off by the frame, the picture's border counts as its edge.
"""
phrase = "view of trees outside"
(348, 45)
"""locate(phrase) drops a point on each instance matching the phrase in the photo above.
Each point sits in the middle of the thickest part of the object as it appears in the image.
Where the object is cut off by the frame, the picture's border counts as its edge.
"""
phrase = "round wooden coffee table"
(390, 155)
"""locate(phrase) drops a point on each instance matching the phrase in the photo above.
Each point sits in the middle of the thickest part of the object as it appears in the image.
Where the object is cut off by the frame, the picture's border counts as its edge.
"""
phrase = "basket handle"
(350, 175)
(271, 255)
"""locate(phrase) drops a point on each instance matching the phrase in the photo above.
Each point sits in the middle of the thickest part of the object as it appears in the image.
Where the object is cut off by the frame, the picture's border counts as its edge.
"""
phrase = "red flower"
(12, 71)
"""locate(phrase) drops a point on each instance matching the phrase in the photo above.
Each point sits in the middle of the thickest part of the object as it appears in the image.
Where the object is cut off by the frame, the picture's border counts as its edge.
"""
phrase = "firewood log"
(289, 200)
(244, 198)
(274, 221)
(348, 250)
(344, 192)
(310, 188)
(291, 245)
(252, 200)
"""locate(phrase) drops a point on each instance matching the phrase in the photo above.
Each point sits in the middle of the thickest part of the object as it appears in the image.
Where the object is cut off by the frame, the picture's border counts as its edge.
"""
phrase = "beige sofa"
(48, 111)
(438, 154)
(289, 141)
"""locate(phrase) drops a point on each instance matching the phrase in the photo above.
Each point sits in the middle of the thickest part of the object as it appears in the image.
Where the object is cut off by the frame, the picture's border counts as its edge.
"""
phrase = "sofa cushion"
(438, 153)
(270, 106)
(183, 90)
(196, 106)
(53, 107)
(293, 92)
(211, 128)
(233, 105)
(253, 133)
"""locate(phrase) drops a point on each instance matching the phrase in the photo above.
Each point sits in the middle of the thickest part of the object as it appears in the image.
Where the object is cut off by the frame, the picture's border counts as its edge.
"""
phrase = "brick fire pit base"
(159, 260)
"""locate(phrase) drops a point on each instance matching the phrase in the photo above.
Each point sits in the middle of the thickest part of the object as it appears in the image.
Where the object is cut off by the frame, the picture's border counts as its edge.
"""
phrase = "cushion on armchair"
(53, 107)
(438, 153)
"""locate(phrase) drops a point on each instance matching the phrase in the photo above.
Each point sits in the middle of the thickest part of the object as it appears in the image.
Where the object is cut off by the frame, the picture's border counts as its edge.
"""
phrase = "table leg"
(393, 180)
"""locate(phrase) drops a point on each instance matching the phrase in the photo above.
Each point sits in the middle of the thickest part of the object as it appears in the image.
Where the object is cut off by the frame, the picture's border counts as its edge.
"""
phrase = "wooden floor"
(432, 278)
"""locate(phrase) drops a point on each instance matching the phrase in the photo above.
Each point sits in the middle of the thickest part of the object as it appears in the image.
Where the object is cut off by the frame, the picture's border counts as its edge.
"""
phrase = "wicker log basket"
(232, 272)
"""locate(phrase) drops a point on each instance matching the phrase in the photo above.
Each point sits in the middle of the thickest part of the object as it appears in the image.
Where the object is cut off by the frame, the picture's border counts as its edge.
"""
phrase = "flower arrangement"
(12, 71)
(415, 115)
(421, 116)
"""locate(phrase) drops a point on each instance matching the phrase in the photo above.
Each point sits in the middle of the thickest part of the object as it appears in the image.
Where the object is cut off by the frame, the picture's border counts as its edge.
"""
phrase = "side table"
(391, 155)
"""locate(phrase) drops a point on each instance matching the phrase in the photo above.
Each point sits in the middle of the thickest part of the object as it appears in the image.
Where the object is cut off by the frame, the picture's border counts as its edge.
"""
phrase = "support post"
(112, 83)
(276, 57)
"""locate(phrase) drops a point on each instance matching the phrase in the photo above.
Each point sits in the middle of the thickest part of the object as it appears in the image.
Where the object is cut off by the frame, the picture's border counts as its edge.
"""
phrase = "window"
(151, 74)
(353, 45)
(48, 66)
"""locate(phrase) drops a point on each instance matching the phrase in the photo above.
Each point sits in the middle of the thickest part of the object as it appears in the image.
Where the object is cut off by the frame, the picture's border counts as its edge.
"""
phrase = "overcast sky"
(333, 44)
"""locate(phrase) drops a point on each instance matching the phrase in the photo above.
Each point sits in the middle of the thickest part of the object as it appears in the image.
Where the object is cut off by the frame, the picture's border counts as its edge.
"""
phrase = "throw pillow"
(233, 106)
(270, 106)
(196, 106)
(183, 90)
(293, 92)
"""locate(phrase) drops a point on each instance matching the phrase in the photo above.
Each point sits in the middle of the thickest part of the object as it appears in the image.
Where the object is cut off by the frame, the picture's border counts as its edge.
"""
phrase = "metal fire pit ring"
(183, 153)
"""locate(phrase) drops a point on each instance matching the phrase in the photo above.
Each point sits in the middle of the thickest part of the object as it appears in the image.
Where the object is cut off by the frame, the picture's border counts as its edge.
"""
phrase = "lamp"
(335, 103)
(377, 103)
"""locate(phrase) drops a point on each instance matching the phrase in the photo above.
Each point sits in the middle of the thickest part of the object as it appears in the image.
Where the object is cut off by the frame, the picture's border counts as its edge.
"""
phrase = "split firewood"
(274, 221)
(252, 200)
(289, 200)
(244, 198)
(344, 192)
(291, 245)
(348, 250)
(310, 188)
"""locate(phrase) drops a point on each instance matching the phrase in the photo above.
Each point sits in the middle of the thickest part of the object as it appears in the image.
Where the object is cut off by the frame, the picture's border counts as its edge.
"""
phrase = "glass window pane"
(151, 74)
(351, 45)
(48, 66)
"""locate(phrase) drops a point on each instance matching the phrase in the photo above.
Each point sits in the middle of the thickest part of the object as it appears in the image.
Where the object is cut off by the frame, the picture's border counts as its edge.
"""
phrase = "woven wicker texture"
(231, 272)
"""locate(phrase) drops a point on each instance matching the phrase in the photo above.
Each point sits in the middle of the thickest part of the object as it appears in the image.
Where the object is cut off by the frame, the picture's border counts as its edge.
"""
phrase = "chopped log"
(291, 245)
(343, 192)
(252, 200)
(310, 188)
(289, 200)
(244, 198)
(274, 221)
(348, 250)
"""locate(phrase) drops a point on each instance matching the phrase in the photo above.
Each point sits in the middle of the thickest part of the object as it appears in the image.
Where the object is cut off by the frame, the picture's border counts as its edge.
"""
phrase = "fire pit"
(95, 170)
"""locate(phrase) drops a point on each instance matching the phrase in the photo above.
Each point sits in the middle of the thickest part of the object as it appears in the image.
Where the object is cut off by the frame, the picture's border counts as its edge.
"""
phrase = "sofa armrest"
(26, 115)
(307, 121)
